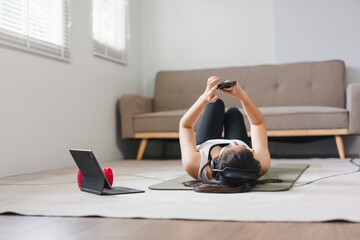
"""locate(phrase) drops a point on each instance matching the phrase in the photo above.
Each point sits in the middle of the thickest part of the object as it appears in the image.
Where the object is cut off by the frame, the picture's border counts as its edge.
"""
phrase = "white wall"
(48, 106)
(308, 30)
(187, 34)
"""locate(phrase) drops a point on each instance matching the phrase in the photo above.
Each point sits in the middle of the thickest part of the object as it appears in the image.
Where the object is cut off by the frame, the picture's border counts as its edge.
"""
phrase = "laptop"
(94, 180)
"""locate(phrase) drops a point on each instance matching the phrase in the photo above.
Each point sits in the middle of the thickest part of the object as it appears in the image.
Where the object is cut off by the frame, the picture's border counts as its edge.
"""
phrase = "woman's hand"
(209, 94)
(236, 91)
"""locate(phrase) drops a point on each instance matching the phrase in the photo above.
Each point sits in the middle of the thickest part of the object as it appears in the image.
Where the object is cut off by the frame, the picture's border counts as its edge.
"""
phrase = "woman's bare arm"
(258, 131)
(190, 156)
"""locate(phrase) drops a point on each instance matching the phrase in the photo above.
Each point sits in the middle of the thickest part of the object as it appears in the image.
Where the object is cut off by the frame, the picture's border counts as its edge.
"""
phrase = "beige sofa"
(297, 99)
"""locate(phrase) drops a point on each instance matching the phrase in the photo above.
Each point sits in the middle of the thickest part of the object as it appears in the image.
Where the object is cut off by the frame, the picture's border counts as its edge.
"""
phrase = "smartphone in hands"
(226, 85)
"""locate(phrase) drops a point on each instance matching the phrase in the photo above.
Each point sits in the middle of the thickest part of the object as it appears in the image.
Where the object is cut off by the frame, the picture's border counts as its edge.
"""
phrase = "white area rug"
(55, 193)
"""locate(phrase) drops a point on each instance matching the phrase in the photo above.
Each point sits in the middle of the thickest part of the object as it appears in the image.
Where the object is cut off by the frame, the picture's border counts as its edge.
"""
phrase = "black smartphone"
(226, 85)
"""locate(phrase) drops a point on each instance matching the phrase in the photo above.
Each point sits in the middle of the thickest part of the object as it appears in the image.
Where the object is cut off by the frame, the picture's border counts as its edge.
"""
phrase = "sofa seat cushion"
(167, 121)
(276, 118)
(304, 117)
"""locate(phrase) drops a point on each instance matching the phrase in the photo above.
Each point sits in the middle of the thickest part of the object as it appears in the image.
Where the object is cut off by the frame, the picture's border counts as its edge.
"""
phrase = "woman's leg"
(211, 122)
(235, 126)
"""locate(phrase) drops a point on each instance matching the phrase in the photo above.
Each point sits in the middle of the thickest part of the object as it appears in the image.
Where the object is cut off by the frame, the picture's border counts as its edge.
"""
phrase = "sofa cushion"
(294, 84)
(276, 118)
(167, 121)
(305, 117)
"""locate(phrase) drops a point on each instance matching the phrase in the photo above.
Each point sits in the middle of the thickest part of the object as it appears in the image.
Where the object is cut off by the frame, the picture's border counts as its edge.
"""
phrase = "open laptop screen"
(88, 164)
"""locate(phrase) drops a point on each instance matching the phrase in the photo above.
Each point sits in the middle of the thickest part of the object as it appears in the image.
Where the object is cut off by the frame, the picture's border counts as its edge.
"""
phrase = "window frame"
(96, 44)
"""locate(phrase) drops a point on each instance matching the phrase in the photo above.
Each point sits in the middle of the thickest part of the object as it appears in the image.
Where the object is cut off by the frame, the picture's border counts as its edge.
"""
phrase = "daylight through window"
(40, 26)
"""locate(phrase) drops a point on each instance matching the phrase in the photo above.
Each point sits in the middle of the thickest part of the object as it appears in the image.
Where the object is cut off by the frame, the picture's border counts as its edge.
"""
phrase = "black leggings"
(213, 120)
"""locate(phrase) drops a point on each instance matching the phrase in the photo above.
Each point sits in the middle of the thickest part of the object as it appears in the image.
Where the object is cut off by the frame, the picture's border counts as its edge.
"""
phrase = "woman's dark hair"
(243, 159)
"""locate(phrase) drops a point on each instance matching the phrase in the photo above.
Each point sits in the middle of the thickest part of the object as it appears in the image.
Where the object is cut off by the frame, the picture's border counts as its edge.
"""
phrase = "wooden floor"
(32, 227)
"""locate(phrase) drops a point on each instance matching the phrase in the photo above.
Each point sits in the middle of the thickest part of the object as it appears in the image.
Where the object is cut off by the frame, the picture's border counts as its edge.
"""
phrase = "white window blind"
(40, 26)
(110, 29)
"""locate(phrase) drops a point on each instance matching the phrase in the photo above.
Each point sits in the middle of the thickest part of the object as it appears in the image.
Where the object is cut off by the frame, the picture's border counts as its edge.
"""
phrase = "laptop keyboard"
(120, 190)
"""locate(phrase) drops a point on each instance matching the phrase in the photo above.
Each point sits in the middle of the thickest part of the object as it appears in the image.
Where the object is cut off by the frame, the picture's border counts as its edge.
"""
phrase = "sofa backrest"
(309, 83)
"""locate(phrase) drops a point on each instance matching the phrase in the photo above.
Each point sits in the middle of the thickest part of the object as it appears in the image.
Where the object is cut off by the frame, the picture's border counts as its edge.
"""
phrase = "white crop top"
(204, 149)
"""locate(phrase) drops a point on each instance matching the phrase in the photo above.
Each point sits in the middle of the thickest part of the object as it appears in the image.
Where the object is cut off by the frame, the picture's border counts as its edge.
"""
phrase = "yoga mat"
(286, 172)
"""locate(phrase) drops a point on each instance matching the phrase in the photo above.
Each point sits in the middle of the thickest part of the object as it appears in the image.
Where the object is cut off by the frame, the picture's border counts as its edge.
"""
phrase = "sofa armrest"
(353, 106)
(131, 105)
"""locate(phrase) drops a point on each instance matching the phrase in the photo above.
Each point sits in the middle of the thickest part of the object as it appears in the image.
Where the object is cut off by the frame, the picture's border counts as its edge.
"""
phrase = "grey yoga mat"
(288, 173)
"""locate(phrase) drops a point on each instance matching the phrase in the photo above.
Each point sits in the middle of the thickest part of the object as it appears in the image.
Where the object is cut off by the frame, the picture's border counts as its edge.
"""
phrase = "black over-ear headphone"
(229, 172)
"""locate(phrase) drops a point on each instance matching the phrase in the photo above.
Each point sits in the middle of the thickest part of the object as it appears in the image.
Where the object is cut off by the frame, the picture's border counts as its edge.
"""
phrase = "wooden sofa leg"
(340, 146)
(142, 148)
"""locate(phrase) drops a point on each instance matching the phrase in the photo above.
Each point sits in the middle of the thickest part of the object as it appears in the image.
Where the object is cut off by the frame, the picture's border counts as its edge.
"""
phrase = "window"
(110, 29)
(39, 26)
